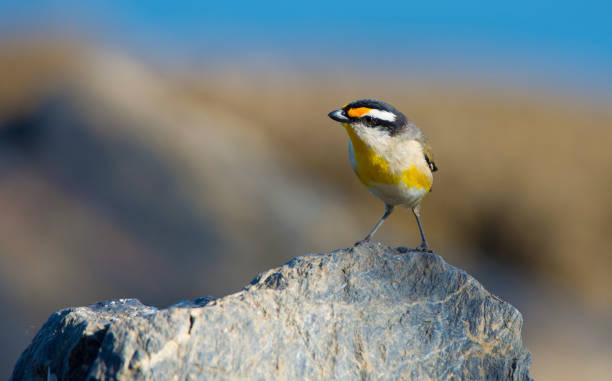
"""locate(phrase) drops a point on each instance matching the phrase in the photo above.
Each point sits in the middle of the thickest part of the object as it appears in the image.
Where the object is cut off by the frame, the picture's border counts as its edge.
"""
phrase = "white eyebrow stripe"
(382, 115)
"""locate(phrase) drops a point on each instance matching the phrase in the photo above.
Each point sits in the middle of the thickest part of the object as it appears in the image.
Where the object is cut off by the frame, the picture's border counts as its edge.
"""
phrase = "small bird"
(390, 155)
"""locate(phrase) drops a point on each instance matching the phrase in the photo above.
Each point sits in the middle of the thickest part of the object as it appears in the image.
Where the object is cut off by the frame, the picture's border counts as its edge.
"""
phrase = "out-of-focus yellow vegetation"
(148, 182)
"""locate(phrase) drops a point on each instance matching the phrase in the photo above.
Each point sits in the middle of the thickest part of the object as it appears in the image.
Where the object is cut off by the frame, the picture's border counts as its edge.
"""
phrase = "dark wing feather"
(429, 157)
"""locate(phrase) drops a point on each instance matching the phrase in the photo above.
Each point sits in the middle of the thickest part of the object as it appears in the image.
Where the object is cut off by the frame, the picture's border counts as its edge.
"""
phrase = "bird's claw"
(359, 243)
(424, 249)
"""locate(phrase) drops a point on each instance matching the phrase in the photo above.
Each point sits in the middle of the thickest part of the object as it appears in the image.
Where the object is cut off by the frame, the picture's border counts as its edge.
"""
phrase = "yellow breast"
(372, 168)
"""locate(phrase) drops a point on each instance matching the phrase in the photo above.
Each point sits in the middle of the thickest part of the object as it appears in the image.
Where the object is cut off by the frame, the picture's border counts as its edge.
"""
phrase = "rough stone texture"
(369, 313)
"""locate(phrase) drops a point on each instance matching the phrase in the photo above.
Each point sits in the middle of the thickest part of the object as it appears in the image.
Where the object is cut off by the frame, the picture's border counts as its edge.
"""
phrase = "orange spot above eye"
(357, 112)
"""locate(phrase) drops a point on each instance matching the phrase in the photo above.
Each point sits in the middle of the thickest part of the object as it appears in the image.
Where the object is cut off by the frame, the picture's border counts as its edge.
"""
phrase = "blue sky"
(557, 40)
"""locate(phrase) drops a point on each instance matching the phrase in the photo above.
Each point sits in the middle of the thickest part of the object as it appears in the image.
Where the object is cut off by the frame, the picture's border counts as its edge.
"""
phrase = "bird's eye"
(368, 120)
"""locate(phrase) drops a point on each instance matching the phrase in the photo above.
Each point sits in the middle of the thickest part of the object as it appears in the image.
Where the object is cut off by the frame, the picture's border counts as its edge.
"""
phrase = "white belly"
(398, 194)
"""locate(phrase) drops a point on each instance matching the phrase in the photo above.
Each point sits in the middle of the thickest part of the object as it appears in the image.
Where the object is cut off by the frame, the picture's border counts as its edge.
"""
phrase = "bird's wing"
(429, 156)
(411, 131)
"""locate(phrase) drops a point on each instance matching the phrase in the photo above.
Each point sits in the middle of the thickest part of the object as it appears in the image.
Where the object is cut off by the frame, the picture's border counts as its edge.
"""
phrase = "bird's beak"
(339, 116)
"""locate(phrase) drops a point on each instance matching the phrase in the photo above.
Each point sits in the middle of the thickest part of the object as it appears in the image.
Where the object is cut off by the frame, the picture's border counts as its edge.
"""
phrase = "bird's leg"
(388, 210)
(423, 246)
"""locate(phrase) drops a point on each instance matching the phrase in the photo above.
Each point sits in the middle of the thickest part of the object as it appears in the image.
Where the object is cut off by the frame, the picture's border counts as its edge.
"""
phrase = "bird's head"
(370, 113)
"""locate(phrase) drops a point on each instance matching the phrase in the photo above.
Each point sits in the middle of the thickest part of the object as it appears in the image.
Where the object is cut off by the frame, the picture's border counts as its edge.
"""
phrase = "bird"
(390, 155)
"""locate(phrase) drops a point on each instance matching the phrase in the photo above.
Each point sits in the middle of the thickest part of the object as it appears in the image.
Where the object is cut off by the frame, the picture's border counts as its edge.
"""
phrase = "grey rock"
(370, 313)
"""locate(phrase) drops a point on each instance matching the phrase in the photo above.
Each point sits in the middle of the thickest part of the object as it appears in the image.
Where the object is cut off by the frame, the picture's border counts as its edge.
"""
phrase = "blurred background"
(167, 151)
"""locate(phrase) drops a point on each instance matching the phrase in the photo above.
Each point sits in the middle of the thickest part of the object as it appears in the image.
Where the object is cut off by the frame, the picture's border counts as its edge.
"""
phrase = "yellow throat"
(374, 169)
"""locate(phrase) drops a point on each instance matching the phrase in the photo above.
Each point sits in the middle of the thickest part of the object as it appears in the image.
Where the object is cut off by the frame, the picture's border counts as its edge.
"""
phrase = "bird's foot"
(423, 248)
(363, 241)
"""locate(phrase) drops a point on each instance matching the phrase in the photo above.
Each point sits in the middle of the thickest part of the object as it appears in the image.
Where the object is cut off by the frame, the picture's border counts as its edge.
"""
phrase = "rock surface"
(370, 313)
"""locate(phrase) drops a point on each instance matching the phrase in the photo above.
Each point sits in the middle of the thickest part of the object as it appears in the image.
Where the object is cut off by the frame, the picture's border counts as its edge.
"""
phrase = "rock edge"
(370, 312)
